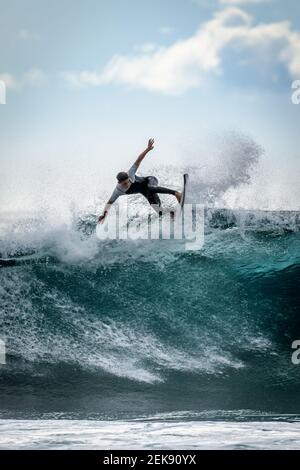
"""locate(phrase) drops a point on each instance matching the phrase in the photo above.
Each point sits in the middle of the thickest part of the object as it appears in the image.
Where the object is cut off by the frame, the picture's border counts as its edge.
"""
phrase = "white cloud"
(26, 35)
(185, 64)
(83, 78)
(147, 47)
(33, 77)
(8, 79)
(243, 2)
(214, 3)
(166, 30)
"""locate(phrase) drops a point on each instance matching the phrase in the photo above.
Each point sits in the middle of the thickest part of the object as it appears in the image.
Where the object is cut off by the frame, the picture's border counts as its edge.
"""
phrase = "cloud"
(26, 35)
(83, 78)
(186, 63)
(214, 3)
(33, 77)
(166, 30)
(8, 79)
(147, 47)
(243, 2)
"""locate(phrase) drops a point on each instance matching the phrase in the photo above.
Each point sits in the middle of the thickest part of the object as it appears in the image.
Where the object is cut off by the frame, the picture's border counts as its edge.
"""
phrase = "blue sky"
(94, 79)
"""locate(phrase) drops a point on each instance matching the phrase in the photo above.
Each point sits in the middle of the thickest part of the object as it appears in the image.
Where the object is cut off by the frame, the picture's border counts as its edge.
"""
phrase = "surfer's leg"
(162, 190)
(153, 199)
(154, 188)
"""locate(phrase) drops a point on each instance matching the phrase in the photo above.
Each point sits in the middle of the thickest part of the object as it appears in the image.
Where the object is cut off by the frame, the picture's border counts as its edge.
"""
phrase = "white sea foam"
(229, 169)
(175, 434)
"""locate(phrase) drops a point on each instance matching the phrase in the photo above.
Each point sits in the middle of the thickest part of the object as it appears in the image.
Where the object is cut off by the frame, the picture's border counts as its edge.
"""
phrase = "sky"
(89, 81)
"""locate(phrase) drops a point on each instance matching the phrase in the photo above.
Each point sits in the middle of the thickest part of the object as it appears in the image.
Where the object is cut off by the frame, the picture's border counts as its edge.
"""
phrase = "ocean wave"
(118, 317)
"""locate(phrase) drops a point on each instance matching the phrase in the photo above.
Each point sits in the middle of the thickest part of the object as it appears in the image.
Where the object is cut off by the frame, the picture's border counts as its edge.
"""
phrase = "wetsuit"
(145, 185)
(150, 189)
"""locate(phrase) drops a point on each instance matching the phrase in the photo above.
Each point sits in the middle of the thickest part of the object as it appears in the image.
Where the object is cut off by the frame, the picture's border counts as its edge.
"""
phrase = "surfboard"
(183, 193)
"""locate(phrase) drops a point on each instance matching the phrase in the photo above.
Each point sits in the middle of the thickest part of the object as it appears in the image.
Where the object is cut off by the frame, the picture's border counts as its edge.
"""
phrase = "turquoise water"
(121, 329)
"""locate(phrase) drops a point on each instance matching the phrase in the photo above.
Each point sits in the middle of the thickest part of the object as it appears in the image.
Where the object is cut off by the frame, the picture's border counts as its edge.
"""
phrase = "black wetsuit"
(148, 187)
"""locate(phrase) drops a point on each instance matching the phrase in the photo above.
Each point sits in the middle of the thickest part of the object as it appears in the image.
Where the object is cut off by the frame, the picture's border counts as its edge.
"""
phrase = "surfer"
(129, 183)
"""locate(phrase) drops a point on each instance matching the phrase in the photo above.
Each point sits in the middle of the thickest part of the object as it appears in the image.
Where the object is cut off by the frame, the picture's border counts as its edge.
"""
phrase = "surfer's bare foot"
(178, 195)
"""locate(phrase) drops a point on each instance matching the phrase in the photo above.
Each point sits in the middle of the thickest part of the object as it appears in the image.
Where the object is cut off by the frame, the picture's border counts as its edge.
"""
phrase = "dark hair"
(122, 176)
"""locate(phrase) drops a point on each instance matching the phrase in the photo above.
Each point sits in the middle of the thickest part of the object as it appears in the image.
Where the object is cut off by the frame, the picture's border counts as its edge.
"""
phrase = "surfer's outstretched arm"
(105, 212)
(112, 199)
(144, 153)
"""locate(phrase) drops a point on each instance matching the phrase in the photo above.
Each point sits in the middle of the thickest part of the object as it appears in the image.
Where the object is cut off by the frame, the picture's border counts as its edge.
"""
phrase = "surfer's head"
(123, 179)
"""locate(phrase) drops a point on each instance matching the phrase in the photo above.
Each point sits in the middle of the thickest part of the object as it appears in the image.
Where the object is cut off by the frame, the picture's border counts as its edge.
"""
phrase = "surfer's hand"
(151, 144)
(101, 219)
